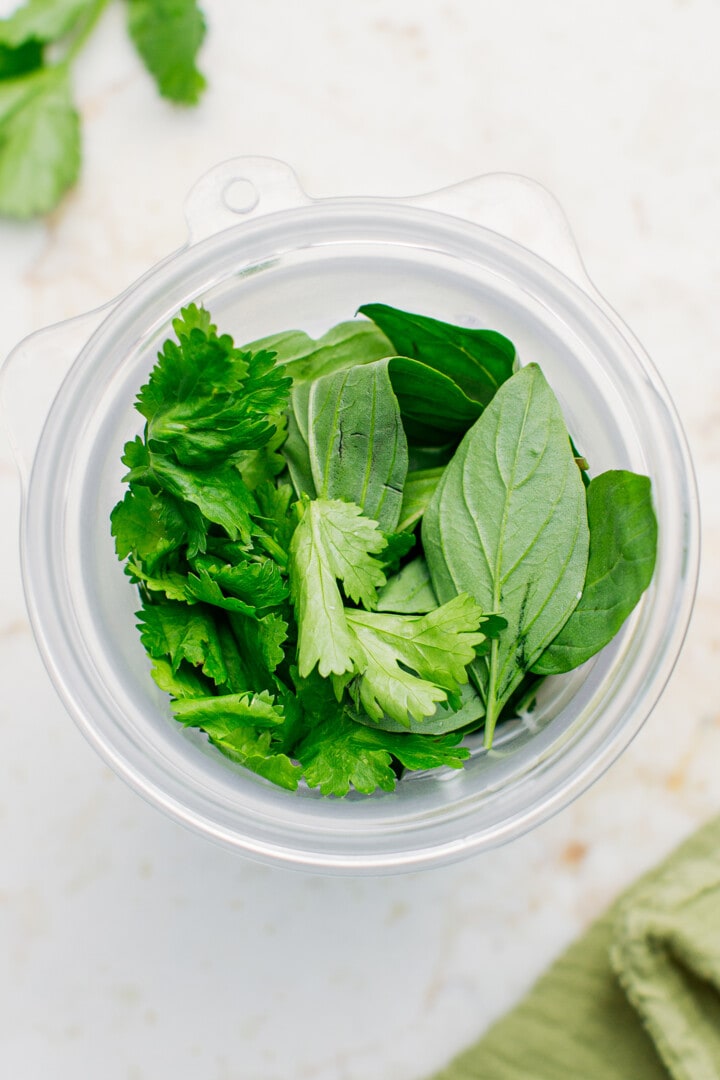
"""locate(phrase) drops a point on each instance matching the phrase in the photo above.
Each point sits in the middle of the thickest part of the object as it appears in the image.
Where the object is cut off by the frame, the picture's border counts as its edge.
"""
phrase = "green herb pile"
(39, 125)
(355, 551)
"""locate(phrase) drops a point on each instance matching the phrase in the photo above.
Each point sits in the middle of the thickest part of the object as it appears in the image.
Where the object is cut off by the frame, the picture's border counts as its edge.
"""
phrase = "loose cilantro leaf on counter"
(39, 142)
(40, 147)
(168, 35)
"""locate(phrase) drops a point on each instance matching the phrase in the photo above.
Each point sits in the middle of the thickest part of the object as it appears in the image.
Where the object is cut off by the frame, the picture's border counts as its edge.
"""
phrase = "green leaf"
(357, 446)
(418, 491)
(508, 525)
(479, 361)
(409, 592)
(339, 753)
(21, 59)
(205, 588)
(39, 142)
(333, 542)
(411, 662)
(296, 450)
(183, 633)
(623, 544)
(343, 346)
(260, 644)
(279, 517)
(258, 583)
(255, 751)
(220, 715)
(445, 719)
(397, 546)
(433, 407)
(43, 21)
(262, 465)
(168, 35)
(172, 584)
(205, 400)
(183, 683)
(219, 494)
(147, 525)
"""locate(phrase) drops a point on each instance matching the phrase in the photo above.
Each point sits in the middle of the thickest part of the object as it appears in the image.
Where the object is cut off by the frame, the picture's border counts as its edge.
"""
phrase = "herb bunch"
(40, 145)
(355, 551)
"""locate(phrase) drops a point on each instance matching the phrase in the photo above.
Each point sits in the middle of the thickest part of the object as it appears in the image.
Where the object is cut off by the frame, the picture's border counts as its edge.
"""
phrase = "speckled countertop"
(133, 950)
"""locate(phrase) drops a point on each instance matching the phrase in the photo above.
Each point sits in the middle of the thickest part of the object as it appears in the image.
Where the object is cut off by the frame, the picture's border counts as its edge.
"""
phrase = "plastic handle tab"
(31, 377)
(239, 189)
(518, 208)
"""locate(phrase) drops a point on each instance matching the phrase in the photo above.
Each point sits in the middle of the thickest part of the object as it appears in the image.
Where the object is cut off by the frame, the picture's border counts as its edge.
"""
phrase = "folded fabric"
(637, 998)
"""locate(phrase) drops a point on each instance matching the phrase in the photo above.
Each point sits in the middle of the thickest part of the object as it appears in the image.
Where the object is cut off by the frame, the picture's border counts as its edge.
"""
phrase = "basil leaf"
(409, 592)
(343, 346)
(295, 449)
(434, 409)
(479, 361)
(356, 442)
(508, 525)
(418, 491)
(623, 542)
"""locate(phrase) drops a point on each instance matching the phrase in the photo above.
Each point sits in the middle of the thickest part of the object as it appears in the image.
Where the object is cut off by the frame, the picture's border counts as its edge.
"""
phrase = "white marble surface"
(133, 950)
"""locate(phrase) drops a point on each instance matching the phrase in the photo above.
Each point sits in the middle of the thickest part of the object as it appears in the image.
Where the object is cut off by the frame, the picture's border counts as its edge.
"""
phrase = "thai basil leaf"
(479, 361)
(623, 542)
(508, 524)
(356, 442)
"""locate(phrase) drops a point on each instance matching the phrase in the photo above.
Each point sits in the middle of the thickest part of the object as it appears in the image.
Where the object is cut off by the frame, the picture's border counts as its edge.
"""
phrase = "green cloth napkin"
(637, 998)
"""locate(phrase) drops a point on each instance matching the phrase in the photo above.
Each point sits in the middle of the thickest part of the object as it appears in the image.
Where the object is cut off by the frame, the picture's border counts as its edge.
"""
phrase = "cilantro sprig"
(40, 138)
(324, 604)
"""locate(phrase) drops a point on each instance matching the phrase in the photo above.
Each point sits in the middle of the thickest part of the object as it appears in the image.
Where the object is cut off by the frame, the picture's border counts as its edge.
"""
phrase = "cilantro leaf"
(262, 465)
(248, 728)
(220, 715)
(205, 400)
(258, 583)
(219, 494)
(413, 661)
(195, 365)
(39, 142)
(398, 545)
(148, 525)
(333, 542)
(169, 582)
(183, 633)
(168, 35)
(255, 750)
(278, 514)
(338, 753)
(186, 682)
(259, 643)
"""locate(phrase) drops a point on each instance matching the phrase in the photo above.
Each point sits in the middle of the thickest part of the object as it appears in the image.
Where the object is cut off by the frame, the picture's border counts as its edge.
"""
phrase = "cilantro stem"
(491, 701)
(81, 38)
